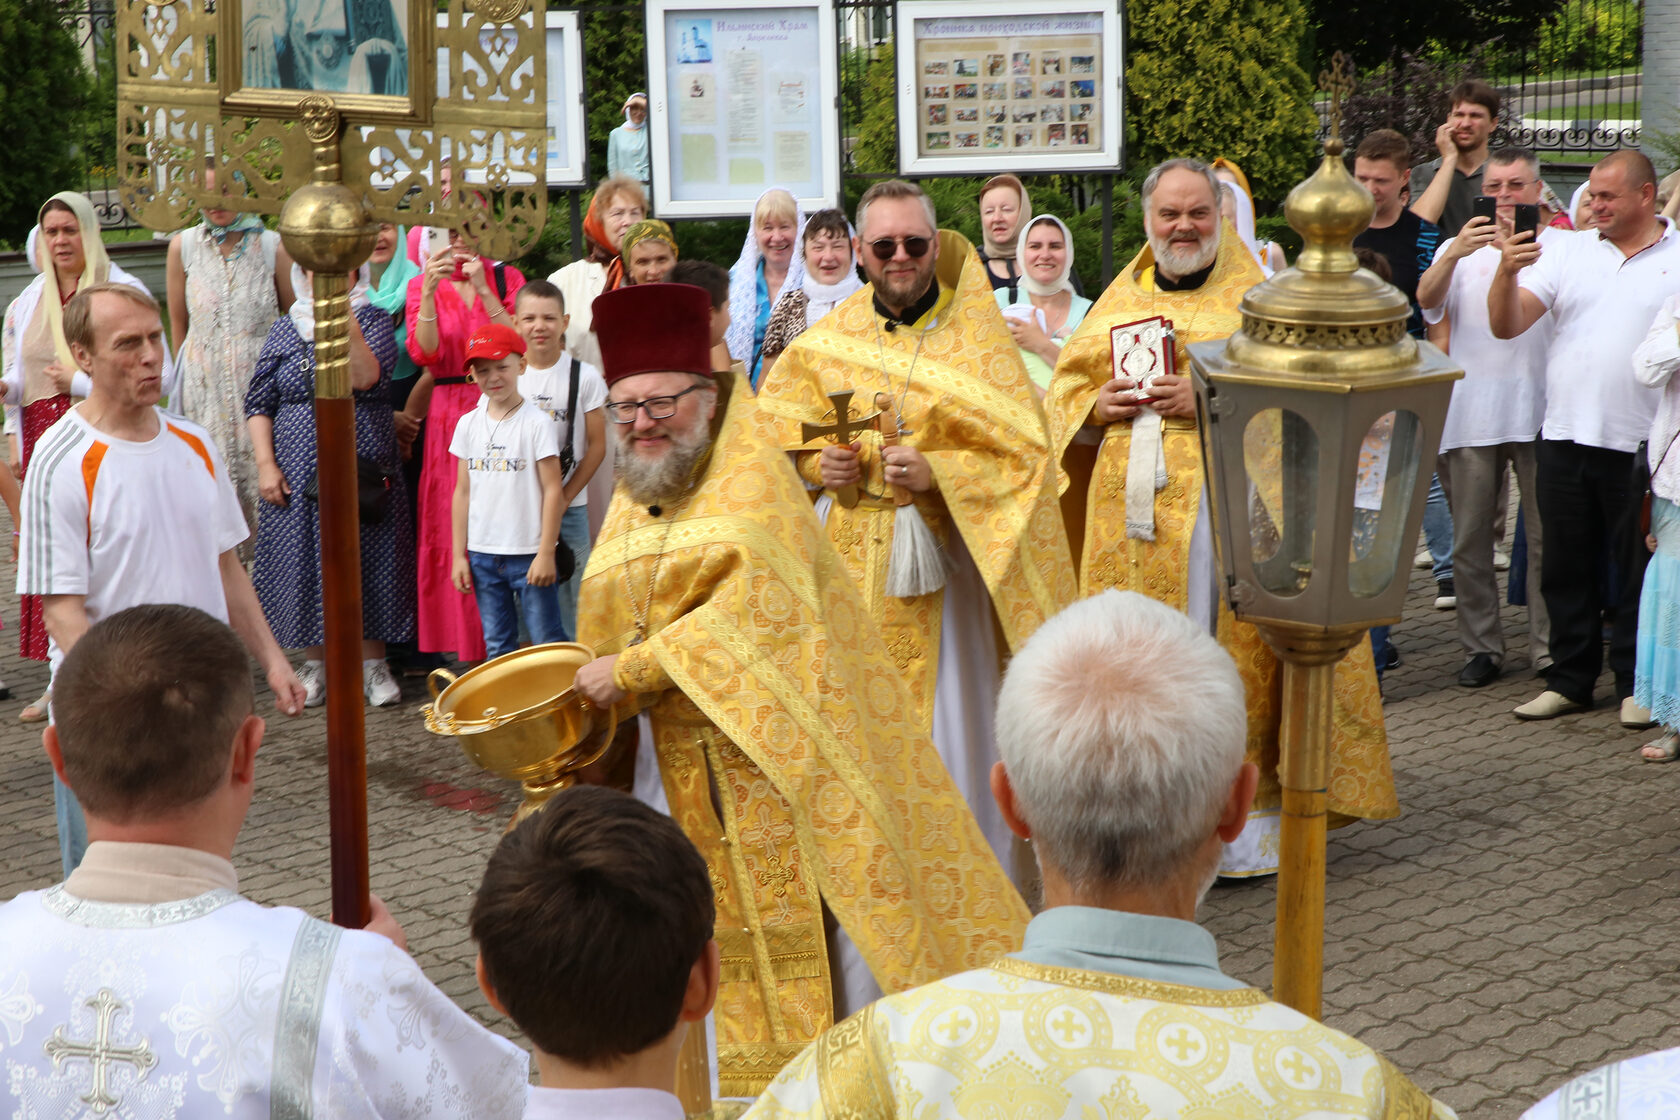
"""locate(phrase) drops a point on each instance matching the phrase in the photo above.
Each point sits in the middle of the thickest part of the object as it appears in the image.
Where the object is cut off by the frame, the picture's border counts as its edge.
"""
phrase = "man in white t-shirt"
(1494, 419)
(146, 985)
(1603, 288)
(571, 392)
(507, 498)
(126, 504)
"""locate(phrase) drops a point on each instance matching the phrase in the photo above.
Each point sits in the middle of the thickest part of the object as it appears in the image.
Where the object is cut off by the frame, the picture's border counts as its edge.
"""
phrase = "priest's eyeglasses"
(658, 408)
(886, 247)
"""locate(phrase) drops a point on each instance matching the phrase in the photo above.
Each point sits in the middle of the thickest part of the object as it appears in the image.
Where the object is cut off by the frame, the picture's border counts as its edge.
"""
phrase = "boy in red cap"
(508, 499)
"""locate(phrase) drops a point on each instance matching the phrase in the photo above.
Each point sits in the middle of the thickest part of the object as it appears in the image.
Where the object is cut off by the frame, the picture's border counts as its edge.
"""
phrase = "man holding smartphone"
(1603, 288)
(1494, 418)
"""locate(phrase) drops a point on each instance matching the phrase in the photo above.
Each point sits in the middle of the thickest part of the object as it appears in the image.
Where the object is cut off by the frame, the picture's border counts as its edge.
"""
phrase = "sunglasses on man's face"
(887, 247)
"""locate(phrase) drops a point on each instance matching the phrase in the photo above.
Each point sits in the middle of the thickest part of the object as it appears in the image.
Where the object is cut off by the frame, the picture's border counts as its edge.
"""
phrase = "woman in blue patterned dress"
(280, 409)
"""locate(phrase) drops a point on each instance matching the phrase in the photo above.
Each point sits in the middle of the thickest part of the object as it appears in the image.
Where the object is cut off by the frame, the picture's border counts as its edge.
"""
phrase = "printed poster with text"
(1010, 85)
(744, 102)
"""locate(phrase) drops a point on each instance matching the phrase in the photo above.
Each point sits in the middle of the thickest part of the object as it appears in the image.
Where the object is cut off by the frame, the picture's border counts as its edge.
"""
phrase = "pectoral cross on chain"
(844, 428)
(100, 1053)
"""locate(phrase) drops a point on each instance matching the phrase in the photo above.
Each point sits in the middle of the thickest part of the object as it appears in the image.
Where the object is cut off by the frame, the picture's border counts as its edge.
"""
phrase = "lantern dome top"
(1326, 314)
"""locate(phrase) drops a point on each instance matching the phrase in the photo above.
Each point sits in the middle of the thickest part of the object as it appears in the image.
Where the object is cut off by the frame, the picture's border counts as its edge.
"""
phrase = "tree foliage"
(1211, 78)
(44, 92)
(1374, 31)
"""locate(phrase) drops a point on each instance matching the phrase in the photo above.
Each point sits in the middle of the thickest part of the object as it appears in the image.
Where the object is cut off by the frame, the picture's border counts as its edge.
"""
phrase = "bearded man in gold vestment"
(1137, 493)
(772, 727)
(1115, 1005)
(970, 450)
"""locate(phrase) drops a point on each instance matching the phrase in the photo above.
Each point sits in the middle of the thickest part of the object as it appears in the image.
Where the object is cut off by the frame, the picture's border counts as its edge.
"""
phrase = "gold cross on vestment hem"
(99, 1053)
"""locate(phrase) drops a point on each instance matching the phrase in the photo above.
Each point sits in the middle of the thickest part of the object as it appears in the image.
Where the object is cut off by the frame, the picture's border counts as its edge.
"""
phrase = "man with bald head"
(1123, 426)
(1603, 287)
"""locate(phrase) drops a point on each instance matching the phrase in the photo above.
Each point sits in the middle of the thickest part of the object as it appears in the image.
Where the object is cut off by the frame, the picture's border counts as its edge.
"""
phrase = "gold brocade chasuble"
(1361, 779)
(972, 413)
(770, 698)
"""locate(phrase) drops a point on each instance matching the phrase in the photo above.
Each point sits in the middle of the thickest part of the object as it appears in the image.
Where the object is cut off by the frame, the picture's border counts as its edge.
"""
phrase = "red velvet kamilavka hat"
(654, 328)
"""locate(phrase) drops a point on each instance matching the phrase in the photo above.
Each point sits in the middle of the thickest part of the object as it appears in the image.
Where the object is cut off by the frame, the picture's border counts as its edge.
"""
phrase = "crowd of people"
(804, 510)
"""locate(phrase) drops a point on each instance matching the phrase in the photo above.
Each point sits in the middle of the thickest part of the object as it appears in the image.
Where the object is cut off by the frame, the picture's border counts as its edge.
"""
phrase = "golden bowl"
(519, 716)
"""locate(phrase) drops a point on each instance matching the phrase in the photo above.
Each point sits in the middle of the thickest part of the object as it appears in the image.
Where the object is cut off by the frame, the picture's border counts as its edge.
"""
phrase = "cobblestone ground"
(1494, 941)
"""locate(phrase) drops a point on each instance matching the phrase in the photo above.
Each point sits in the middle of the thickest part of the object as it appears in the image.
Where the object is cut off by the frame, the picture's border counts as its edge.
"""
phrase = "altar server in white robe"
(1115, 1003)
(145, 986)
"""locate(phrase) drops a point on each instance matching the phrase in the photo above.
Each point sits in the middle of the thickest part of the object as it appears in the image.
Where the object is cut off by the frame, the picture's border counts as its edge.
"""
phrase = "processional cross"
(199, 89)
(100, 1053)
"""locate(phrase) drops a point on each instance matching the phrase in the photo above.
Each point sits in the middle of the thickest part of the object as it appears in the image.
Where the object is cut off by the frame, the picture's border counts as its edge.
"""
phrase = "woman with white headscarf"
(1270, 253)
(769, 263)
(830, 277)
(1239, 211)
(280, 411)
(627, 145)
(1052, 310)
(38, 370)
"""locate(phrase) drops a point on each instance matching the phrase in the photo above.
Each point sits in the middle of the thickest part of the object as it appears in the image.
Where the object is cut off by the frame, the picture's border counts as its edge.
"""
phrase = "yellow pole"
(1309, 667)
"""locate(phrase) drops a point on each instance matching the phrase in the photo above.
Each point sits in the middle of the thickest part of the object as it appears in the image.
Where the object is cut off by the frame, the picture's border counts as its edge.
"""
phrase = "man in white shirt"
(126, 504)
(571, 392)
(1603, 288)
(144, 985)
(594, 931)
(1494, 419)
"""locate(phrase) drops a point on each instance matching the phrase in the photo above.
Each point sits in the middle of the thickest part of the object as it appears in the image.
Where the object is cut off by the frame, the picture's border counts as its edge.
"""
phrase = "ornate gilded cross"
(845, 427)
(1338, 82)
(100, 1053)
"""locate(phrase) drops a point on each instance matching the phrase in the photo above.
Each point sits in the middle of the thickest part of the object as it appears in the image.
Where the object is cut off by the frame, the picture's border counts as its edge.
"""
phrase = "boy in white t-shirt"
(594, 927)
(572, 393)
(507, 498)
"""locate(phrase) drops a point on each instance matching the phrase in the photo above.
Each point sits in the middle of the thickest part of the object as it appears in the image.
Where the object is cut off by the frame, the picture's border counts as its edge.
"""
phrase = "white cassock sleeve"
(392, 1045)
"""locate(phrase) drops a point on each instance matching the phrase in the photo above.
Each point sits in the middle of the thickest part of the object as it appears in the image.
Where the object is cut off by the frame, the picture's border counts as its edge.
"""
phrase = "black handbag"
(373, 491)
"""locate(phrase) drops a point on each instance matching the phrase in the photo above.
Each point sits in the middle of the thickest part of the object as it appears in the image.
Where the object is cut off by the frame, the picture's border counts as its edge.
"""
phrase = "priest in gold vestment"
(1115, 1005)
(774, 730)
(969, 447)
(1136, 487)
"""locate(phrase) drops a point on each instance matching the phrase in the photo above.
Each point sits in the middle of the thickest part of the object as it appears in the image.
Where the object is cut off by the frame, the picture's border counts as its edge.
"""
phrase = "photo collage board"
(1010, 85)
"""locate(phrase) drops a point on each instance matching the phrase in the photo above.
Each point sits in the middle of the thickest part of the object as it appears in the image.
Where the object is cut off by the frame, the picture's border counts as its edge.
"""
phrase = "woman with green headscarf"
(389, 271)
(649, 250)
(229, 277)
(39, 372)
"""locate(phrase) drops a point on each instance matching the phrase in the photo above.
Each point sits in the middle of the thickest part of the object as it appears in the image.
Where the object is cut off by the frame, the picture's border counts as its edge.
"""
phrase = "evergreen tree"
(43, 95)
(1210, 78)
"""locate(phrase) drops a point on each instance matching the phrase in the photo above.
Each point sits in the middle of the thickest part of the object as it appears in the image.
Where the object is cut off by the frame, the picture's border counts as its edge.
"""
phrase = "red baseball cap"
(493, 341)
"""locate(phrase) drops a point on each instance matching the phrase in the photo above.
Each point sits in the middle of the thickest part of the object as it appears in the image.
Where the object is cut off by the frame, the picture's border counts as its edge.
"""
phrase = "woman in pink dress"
(456, 293)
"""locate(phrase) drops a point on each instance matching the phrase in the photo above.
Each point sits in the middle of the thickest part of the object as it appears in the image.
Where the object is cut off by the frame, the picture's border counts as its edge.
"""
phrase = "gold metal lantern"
(1320, 423)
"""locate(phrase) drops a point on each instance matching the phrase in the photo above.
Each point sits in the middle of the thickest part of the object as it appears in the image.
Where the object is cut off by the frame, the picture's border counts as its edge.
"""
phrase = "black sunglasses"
(886, 248)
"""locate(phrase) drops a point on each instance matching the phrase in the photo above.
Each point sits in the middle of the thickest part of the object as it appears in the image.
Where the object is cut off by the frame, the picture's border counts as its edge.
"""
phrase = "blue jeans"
(1438, 530)
(574, 530)
(72, 827)
(504, 599)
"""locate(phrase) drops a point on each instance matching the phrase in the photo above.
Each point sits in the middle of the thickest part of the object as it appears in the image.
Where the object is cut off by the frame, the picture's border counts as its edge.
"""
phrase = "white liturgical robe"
(1642, 1088)
(211, 1005)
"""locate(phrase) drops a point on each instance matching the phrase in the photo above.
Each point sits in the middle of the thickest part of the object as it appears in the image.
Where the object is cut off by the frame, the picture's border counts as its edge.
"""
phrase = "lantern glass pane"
(1382, 500)
(1280, 457)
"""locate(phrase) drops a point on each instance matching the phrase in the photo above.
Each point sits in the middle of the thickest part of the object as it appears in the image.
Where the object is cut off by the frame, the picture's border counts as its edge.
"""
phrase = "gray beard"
(651, 481)
(1176, 263)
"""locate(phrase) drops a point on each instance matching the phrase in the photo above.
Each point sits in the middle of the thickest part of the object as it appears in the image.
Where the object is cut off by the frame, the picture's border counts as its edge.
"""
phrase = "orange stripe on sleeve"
(90, 471)
(197, 445)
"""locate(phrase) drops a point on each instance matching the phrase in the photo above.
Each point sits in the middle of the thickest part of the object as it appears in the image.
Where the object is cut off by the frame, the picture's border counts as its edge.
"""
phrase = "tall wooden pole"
(1309, 667)
(327, 229)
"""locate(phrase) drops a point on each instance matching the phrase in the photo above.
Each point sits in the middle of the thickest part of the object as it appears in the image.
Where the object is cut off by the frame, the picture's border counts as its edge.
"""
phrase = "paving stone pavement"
(1500, 937)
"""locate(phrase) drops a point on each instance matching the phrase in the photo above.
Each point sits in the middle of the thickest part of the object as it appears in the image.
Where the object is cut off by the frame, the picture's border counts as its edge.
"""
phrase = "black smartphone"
(1484, 206)
(1527, 216)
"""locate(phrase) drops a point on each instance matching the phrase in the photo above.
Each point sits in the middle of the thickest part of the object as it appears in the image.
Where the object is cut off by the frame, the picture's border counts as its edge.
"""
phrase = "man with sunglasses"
(762, 710)
(959, 459)
(1124, 428)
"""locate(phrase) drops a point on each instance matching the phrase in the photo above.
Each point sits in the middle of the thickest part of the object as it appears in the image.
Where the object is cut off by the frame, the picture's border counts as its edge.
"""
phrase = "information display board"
(741, 97)
(567, 130)
(983, 88)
